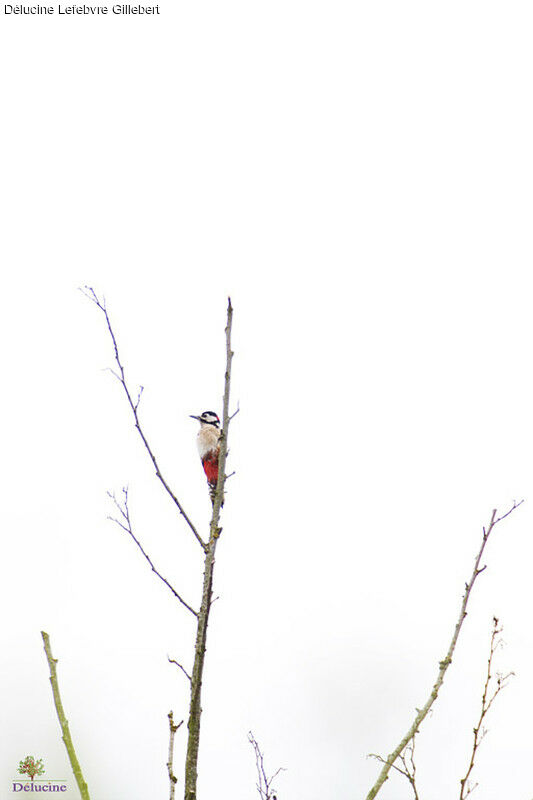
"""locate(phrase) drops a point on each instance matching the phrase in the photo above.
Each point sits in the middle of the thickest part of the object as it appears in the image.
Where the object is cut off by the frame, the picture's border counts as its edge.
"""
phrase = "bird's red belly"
(210, 463)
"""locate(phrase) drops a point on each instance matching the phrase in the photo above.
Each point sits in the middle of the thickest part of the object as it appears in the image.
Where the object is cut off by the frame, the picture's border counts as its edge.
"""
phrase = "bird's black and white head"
(207, 418)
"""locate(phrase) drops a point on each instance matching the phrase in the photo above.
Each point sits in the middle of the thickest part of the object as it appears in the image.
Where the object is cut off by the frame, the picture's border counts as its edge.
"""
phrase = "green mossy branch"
(63, 722)
(444, 664)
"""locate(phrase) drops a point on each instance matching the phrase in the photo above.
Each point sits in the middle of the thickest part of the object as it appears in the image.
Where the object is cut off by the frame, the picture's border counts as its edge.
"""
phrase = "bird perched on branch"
(208, 441)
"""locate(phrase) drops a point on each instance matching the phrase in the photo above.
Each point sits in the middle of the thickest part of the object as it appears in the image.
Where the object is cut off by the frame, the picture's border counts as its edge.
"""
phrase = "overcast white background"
(357, 176)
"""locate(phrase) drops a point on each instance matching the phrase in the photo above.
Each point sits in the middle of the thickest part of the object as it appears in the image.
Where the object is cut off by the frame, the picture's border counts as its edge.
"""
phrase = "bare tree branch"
(209, 547)
(407, 757)
(486, 702)
(445, 663)
(177, 663)
(89, 292)
(126, 526)
(264, 783)
(170, 763)
(195, 709)
(63, 722)
(408, 760)
(235, 413)
(219, 491)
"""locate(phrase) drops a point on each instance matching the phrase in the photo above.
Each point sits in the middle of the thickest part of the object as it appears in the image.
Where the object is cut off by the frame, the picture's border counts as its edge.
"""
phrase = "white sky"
(358, 177)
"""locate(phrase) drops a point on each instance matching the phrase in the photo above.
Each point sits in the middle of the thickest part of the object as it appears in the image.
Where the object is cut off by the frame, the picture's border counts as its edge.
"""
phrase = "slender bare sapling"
(208, 545)
(422, 713)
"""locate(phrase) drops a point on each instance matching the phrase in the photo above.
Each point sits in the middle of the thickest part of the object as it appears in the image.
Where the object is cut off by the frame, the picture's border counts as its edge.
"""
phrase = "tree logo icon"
(31, 766)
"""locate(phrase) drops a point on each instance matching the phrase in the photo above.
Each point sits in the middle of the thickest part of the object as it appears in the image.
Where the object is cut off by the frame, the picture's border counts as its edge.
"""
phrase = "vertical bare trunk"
(195, 709)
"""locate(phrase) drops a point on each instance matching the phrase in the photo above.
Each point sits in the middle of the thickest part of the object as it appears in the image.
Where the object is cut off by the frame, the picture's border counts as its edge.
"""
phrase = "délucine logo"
(31, 767)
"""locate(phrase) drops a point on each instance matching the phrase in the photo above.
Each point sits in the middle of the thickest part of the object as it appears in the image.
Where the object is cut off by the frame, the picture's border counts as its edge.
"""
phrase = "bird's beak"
(193, 416)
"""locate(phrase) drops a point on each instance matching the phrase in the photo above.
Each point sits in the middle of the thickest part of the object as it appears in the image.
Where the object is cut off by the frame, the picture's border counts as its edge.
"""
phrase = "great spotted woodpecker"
(209, 447)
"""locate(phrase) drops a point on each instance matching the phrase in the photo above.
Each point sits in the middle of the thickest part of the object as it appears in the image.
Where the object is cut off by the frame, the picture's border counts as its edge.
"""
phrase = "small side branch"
(170, 763)
(89, 292)
(490, 693)
(446, 661)
(235, 412)
(177, 663)
(63, 722)
(125, 524)
(408, 768)
(264, 783)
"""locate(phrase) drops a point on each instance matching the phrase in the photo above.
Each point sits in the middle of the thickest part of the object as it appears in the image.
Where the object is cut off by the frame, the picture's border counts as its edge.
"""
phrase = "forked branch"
(446, 661)
(89, 292)
(408, 768)
(265, 783)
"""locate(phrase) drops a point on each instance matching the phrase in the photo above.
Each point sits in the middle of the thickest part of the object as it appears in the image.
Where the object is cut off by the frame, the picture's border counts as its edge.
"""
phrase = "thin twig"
(235, 413)
(89, 292)
(264, 783)
(407, 757)
(445, 663)
(408, 760)
(63, 722)
(486, 703)
(126, 526)
(170, 763)
(177, 663)
(410, 768)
